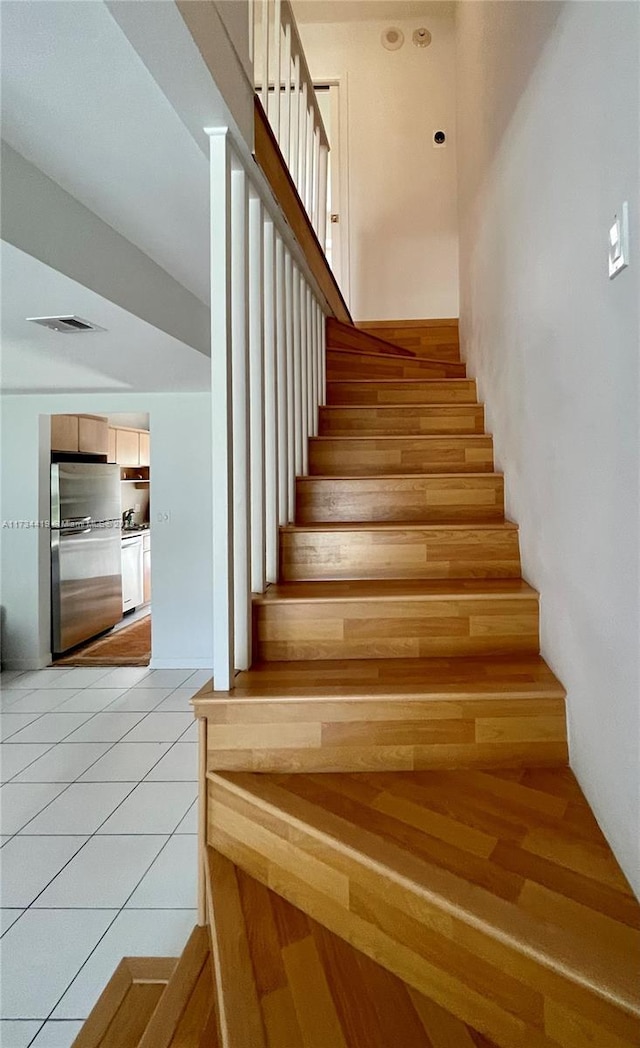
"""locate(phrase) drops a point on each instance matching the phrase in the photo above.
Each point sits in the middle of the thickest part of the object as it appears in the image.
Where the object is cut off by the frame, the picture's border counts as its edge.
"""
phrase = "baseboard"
(181, 664)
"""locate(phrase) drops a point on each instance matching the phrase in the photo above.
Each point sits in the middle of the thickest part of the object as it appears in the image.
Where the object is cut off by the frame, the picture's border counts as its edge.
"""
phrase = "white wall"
(181, 554)
(548, 151)
(402, 192)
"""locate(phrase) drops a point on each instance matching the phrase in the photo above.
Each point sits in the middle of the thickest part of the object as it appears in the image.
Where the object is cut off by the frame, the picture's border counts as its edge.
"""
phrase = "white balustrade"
(284, 84)
(267, 381)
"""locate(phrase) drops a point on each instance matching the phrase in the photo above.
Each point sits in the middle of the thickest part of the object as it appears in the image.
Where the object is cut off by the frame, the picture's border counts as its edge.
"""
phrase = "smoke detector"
(392, 38)
(69, 325)
(421, 37)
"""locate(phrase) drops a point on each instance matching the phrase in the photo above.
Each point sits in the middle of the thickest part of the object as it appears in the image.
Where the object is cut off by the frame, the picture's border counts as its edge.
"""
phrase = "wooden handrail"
(269, 158)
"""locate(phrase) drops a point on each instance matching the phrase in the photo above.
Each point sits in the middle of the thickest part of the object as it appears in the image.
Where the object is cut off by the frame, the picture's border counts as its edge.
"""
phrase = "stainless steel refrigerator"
(86, 567)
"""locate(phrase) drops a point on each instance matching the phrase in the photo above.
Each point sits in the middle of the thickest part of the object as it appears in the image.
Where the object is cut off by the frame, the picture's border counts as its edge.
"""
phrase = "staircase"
(415, 864)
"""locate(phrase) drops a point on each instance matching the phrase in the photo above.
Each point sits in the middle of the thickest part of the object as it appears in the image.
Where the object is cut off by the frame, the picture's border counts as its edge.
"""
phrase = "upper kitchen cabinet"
(82, 434)
(145, 449)
(111, 445)
(128, 447)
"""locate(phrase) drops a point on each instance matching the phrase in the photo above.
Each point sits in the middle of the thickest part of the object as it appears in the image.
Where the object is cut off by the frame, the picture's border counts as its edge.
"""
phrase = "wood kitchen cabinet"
(84, 434)
(144, 449)
(146, 567)
(127, 447)
(111, 445)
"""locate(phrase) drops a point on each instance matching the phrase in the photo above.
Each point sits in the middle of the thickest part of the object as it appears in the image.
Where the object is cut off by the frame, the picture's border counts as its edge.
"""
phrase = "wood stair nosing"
(184, 1011)
(401, 498)
(441, 915)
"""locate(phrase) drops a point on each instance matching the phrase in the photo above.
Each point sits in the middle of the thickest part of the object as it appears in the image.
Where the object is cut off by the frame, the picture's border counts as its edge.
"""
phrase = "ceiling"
(129, 356)
(79, 103)
(368, 10)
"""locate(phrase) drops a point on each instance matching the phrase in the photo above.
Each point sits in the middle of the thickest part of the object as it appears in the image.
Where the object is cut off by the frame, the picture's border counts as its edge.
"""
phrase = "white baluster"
(257, 395)
(304, 366)
(241, 433)
(274, 434)
(316, 180)
(282, 384)
(285, 111)
(291, 397)
(274, 72)
(297, 371)
(264, 92)
(302, 144)
(322, 196)
(222, 411)
(294, 147)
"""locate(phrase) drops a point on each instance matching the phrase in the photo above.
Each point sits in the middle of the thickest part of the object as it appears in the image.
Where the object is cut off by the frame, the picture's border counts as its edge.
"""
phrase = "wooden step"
(399, 551)
(393, 714)
(408, 619)
(402, 391)
(337, 456)
(121, 1014)
(421, 337)
(355, 364)
(347, 336)
(428, 498)
(400, 419)
(187, 1014)
(492, 892)
(309, 987)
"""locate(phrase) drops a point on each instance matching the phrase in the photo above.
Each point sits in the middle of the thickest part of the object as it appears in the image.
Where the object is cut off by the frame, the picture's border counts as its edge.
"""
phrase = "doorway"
(331, 97)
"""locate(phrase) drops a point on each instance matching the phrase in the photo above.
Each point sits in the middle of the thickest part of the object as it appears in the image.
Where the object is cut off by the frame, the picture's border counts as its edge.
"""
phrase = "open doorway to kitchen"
(101, 539)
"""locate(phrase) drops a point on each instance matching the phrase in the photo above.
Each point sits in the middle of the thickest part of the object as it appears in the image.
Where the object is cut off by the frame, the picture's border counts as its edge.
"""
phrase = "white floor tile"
(172, 880)
(106, 727)
(141, 933)
(153, 807)
(198, 679)
(190, 822)
(8, 918)
(44, 700)
(41, 678)
(7, 676)
(29, 863)
(166, 678)
(10, 723)
(178, 701)
(80, 809)
(91, 700)
(51, 727)
(64, 762)
(191, 734)
(21, 801)
(17, 1034)
(105, 872)
(15, 756)
(8, 696)
(180, 763)
(160, 727)
(57, 1034)
(81, 677)
(42, 952)
(124, 677)
(126, 762)
(140, 699)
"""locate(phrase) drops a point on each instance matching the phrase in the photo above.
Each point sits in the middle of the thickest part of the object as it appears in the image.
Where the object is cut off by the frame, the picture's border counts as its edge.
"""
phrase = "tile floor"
(98, 847)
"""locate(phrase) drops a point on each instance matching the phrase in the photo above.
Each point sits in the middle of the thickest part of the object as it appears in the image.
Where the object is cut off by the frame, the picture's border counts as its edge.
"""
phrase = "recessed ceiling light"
(69, 324)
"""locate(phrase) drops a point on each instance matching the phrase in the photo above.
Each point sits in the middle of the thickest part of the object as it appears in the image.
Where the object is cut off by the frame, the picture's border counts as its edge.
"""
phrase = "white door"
(336, 247)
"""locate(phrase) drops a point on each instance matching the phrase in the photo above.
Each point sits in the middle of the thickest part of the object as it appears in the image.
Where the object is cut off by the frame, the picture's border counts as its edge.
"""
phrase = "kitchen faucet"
(127, 518)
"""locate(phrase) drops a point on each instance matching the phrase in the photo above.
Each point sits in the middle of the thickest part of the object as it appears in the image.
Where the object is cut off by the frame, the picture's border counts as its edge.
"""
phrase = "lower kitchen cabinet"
(146, 567)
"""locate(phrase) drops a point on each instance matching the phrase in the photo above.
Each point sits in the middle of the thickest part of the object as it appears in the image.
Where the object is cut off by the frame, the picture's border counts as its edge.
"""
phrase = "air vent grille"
(67, 324)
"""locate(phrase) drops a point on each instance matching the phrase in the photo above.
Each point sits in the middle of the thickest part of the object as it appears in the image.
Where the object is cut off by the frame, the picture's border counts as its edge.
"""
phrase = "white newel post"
(222, 411)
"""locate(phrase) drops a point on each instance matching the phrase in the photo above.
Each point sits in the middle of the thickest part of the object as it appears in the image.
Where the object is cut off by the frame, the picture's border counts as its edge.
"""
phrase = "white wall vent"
(70, 325)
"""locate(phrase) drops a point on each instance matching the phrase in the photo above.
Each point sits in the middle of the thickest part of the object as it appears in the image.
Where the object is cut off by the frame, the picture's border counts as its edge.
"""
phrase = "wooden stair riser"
(399, 421)
(446, 941)
(375, 456)
(345, 363)
(396, 627)
(460, 498)
(418, 552)
(346, 336)
(396, 734)
(407, 392)
(127, 1003)
(421, 338)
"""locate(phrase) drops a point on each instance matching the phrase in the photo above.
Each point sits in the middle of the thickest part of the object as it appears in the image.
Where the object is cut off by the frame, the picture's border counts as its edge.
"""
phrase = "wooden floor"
(493, 892)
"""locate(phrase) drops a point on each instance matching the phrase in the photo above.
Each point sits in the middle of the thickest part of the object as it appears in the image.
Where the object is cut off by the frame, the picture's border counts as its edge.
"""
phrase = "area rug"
(130, 646)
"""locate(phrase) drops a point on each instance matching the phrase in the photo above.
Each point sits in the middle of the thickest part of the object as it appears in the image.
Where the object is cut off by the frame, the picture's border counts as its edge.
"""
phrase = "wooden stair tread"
(526, 676)
(371, 478)
(128, 1002)
(383, 526)
(397, 589)
(499, 882)
(316, 989)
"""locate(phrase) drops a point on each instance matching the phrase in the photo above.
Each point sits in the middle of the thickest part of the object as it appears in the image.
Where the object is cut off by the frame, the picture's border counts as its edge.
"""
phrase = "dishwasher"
(132, 572)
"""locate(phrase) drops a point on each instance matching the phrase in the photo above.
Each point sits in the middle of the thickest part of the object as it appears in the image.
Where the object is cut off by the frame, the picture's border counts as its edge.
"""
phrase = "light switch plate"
(619, 242)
